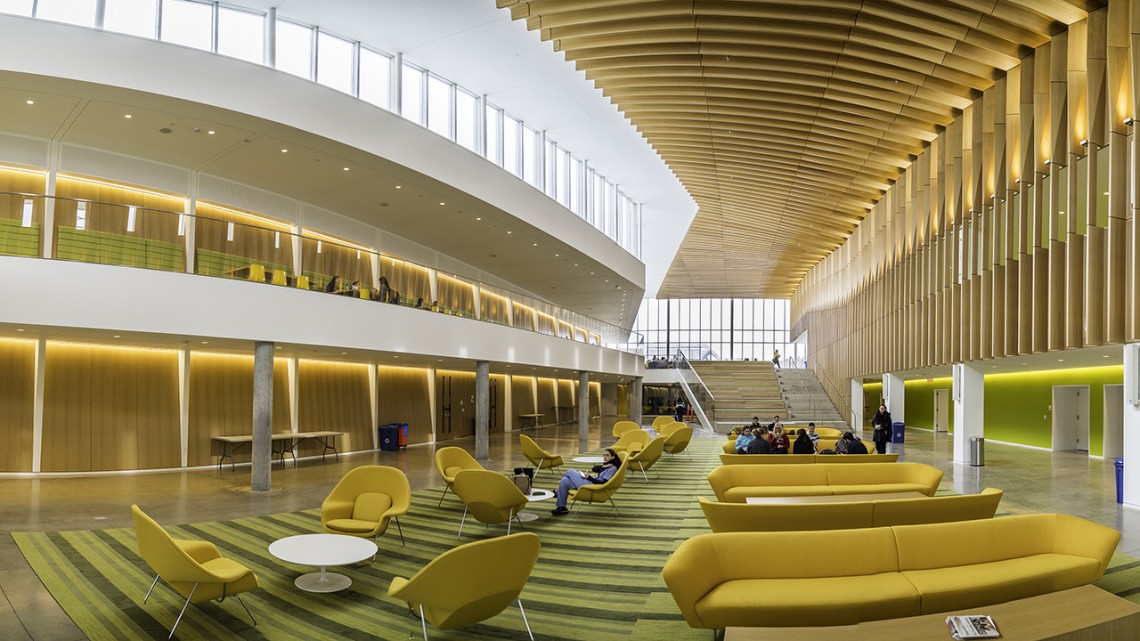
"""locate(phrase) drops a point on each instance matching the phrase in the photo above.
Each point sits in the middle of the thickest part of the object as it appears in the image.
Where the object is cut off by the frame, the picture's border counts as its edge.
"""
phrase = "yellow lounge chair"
(365, 499)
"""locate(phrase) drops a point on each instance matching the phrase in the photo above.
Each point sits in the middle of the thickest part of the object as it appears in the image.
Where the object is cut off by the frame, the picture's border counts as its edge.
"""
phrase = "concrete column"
(482, 408)
(583, 406)
(969, 397)
(609, 399)
(856, 405)
(262, 416)
(636, 391)
(1131, 425)
(894, 397)
(38, 405)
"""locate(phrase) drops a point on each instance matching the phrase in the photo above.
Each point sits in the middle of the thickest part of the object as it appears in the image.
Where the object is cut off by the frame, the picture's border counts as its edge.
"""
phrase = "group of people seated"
(660, 363)
(384, 293)
(772, 439)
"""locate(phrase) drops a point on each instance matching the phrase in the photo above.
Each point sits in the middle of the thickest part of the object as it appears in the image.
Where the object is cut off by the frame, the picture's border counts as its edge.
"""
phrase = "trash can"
(1119, 480)
(898, 432)
(977, 451)
(390, 437)
(402, 435)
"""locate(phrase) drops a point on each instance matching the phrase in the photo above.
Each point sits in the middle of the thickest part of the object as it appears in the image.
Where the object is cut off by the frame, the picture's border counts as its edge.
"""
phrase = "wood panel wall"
(1012, 234)
(156, 216)
(17, 404)
(109, 408)
(336, 397)
(221, 402)
(254, 236)
(329, 258)
(523, 399)
(545, 400)
(403, 393)
(21, 182)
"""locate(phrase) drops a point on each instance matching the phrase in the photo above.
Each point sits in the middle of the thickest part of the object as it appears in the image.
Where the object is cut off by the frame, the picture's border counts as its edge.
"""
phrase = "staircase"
(742, 389)
(806, 400)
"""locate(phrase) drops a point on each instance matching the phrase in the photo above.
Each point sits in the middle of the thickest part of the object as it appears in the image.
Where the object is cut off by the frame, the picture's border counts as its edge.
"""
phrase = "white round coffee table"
(535, 495)
(589, 459)
(322, 550)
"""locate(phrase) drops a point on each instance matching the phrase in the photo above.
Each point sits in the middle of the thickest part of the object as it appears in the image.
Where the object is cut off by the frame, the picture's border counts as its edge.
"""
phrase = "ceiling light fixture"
(478, 218)
(211, 132)
(128, 116)
(346, 168)
(399, 186)
(284, 151)
(31, 102)
(442, 204)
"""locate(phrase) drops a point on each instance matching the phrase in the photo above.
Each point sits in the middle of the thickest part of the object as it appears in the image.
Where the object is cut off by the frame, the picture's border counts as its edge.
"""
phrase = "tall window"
(466, 108)
(334, 62)
(241, 34)
(375, 78)
(134, 17)
(80, 12)
(439, 105)
(190, 24)
(491, 118)
(714, 329)
(511, 144)
(294, 49)
(412, 100)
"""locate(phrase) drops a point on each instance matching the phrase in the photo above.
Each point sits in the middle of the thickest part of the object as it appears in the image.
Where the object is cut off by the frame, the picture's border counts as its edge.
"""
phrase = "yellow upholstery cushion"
(351, 525)
(739, 494)
(878, 488)
(370, 506)
(450, 472)
(956, 588)
(808, 602)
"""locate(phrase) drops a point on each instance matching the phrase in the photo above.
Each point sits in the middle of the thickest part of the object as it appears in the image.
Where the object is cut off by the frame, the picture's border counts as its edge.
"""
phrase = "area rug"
(598, 577)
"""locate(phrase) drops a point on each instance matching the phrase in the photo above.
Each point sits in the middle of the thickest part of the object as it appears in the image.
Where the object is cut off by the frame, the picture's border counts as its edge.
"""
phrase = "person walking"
(776, 359)
(883, 426)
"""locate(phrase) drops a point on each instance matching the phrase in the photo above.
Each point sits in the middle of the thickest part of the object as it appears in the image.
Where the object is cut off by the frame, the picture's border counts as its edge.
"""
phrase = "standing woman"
(882, 424)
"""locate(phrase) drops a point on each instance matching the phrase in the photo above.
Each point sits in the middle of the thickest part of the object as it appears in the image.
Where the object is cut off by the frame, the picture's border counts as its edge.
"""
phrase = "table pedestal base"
(322, 581)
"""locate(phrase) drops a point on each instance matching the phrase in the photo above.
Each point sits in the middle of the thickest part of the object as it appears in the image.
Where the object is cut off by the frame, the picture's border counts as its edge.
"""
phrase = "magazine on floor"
(972, 626)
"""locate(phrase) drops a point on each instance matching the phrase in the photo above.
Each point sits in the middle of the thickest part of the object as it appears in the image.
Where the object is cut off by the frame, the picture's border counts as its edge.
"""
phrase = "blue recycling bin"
(390, 437)
(898, 432)
(1119, 480)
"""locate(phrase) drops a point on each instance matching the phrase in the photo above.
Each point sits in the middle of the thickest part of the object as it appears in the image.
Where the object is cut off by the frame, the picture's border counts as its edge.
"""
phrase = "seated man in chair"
(574, 479)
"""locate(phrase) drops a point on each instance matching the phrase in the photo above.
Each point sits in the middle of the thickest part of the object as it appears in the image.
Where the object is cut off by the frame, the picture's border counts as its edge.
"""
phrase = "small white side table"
(535, 495)
(323, 550)
(588, 459)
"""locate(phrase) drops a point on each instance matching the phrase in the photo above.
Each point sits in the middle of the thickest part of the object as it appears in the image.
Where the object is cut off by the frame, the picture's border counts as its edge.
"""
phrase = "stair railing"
(702, 399)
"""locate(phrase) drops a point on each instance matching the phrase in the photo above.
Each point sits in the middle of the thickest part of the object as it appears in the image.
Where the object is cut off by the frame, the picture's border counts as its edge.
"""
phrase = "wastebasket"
(390, 437)
(898, 432)
(977, 451)
(1119, 480)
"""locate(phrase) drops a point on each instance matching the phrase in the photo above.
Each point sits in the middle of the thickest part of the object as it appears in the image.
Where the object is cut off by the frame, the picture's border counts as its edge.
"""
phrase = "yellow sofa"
(734, 483)
(882, 573)
(740, 517)
(792, 459)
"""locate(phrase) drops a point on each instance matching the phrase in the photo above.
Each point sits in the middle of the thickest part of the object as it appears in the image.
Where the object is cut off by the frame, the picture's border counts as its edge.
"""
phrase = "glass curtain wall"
(714, 328)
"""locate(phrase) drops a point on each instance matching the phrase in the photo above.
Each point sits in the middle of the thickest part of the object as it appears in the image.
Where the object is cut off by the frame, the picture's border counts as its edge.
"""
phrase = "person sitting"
(780, 441)
(759, 445)
(333, 285)
(841, 446)
(853, 445)
(744, 440)
(813, 435)
(355, 289)
(774, 424)
(573, 479)
(803, 444)
(756, 422)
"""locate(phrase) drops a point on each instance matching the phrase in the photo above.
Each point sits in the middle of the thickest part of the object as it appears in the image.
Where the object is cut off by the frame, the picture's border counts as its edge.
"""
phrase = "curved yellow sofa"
(900, 571)
(735, 483)
(741, 517)
(792, 459)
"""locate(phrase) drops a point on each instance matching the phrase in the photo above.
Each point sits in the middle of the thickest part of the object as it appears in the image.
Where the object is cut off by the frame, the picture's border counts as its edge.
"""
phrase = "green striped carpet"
(597, 577)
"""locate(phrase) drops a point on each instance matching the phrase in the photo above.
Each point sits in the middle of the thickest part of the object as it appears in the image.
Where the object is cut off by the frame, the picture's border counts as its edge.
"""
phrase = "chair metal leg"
(461, 523)
(423, 621)
(151, 589)
(443, 496)
(509, 521)
(238, 597)
(525, 622)
(400, 529)
(615, 507)
(643, 475)
(186, 605)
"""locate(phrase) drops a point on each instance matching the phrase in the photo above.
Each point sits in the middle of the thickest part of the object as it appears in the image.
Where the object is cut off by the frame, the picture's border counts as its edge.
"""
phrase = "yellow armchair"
(470, 583)
(450, 461)
(631, 441)
(621, 427)
(662, 421)
(669, 428)
(365, 500)
(489, 497)
(645, 458)
(537, 456)
(678, 440)
(194, 569)
(602, 492)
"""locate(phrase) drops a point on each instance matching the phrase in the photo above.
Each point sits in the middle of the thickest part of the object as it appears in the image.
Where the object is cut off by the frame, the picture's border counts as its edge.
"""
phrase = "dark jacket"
(759, 446)
(803, 445)
(856, 447)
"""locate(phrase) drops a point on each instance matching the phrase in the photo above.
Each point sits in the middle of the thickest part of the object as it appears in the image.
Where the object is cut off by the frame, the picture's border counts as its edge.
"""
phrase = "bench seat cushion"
(797, 602)
(739, 494)
(969, 586)
(879, 488)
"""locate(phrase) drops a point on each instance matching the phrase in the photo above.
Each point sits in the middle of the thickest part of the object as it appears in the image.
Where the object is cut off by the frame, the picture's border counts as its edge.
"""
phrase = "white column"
(856, 405)
(1132, 424)
(894, 397)
(969, 397)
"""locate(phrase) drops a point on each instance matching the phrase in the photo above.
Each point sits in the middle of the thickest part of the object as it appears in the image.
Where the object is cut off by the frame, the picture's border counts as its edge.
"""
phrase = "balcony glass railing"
(269, 252)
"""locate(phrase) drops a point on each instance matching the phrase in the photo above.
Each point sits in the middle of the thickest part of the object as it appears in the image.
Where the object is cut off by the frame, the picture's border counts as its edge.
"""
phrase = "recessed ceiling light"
(534, 244)
(442, 204)
(508, 231)
(116, 336)
(211, 132)
(278, 347)
(1060, 360)
(478, 218)
(591, 273)
(575, 264)
(556, 255)
(19, 330)
(346, 168)
(205, 342)
(1106, 356)
(31, 102)
(284, 151)
(128, 116)
(399, 187)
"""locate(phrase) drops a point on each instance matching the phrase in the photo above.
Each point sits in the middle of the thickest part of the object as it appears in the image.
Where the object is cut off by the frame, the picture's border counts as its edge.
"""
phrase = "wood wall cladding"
(1018, 245)
(568, 393)
(403, 393)
(330, 258)
(156, 214)
(546, 402)
(221, 402)
(21, 182)
(17, 404)
(228, 231)
(595, 399)
(523, 399)
(411, 281)
(455, 404)
(109, 409)
(456, 295)
(335, 397)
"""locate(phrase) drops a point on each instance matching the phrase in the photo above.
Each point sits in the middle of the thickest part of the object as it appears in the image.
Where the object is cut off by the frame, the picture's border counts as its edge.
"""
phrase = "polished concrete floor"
(1033, 480)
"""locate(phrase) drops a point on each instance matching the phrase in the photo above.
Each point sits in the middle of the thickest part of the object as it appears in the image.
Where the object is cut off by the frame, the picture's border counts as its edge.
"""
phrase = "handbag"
(523, 479)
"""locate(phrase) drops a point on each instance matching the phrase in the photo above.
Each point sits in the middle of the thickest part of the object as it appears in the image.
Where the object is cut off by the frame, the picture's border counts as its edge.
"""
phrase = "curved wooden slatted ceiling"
(787, 121)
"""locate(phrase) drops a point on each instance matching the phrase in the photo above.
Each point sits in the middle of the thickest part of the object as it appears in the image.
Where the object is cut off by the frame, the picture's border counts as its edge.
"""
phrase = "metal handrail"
(845, 403)
(705, 403)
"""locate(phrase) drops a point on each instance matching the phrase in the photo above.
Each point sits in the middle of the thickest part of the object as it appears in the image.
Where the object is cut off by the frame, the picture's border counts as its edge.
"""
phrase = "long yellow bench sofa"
(792, 459)
(882, 573)
(729, 447)
(735, 483)
(741, 517)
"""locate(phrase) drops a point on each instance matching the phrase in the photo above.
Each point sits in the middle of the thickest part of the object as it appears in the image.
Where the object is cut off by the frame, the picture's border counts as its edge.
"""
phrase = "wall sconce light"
(1048, 162)
(1129, 120)
(1085, 142)
(1017, 181)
